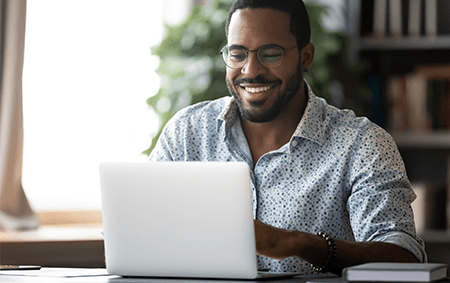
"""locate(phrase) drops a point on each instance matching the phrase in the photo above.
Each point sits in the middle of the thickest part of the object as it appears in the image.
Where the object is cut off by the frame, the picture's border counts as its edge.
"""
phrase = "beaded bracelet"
(331, 252)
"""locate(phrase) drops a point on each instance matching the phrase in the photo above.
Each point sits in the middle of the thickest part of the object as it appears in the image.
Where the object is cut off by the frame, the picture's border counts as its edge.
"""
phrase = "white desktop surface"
(66, 275)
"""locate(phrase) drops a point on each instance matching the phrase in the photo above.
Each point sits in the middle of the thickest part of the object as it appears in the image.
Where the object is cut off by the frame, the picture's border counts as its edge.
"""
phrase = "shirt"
(339, 174)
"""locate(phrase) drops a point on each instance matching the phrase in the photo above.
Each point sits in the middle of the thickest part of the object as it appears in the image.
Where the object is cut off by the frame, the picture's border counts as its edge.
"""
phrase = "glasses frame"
(284, 50)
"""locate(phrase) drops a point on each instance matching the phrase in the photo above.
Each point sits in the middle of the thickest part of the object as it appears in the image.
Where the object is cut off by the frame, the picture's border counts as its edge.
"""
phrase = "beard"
(255, 116)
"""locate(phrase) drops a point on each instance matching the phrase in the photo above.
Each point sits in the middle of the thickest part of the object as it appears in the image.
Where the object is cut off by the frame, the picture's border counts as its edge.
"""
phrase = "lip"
(256, 88)
(254, 92)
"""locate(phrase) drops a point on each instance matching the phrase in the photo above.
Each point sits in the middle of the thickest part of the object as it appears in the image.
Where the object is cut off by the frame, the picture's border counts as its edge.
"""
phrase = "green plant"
(192, 70)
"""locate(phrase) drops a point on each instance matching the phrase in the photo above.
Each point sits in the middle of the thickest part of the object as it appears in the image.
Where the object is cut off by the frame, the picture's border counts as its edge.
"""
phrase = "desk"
(56, 246)
(103, 278)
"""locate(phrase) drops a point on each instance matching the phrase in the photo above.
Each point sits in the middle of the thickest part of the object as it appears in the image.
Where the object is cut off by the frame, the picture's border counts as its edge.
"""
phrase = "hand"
(279, 243)
(274, 242)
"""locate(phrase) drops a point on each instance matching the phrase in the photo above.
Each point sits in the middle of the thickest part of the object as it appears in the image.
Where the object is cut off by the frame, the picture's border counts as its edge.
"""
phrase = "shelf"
(433, 140)
(404, 43)
(435, 236)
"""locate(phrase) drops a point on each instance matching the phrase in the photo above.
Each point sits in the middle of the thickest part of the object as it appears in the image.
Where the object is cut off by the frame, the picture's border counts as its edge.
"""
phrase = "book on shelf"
(408, 100)
(438, 103)
(379, 18)
(395, 18)
(398, 104)
(438, 94)
(417, 97)
(419, 101)
(414, 18)
(406, 18)
(431, 18)
(396, 272)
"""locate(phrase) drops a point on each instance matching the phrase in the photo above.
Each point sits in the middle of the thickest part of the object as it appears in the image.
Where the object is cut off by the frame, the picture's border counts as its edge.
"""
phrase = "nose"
(253, 67)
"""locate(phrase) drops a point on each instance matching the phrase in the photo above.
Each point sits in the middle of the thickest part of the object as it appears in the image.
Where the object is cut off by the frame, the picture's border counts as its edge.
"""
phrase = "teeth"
(257, 89)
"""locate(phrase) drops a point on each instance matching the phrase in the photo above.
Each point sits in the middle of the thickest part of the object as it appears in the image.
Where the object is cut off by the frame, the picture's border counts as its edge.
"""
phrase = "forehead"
(256, 27)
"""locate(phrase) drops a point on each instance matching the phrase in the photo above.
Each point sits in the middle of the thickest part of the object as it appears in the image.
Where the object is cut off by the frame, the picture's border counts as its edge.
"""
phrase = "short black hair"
(299, 25)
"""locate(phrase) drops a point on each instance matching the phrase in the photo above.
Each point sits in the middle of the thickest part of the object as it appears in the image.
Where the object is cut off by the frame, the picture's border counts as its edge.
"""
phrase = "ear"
(308, 53)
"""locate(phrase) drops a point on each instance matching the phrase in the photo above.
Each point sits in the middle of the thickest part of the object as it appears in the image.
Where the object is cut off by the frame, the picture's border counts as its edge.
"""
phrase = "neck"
(268, 136)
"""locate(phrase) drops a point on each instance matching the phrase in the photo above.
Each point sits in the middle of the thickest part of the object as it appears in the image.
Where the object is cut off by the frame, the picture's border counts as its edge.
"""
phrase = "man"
(314, 168)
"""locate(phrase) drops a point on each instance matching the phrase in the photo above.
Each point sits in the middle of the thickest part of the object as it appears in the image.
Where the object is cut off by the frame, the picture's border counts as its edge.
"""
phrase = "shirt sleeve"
(161, 150)
(380, 200)
(168, 146)
(405, 241)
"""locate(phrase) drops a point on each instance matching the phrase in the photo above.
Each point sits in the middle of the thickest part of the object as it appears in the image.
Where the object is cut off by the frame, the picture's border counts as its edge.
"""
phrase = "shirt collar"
(310, 126)
(227, 117)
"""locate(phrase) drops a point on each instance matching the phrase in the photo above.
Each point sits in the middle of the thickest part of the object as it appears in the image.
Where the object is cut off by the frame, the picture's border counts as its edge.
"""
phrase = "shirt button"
(294, 143)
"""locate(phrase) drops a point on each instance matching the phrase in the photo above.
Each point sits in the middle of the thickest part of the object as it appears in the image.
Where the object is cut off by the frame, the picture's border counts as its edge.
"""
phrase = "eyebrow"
(267, 45)
(236, 46)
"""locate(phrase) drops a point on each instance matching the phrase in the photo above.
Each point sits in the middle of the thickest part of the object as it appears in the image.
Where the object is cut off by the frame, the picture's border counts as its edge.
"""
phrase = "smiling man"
(329, 189)
(268, 84)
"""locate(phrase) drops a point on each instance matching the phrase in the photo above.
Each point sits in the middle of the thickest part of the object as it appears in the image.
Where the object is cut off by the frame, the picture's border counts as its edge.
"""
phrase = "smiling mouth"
(256, 89)
(256, 85)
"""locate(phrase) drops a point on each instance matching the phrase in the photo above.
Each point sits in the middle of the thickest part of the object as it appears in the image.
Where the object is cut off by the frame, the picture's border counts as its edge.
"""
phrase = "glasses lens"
(270, 56)
(234, 57)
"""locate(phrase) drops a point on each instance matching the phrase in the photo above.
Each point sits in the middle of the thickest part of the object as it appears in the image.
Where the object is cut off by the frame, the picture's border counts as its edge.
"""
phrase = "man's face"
(261, 92)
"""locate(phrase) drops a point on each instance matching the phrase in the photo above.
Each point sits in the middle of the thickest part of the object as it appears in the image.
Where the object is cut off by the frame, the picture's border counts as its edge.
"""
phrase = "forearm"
(314, 249)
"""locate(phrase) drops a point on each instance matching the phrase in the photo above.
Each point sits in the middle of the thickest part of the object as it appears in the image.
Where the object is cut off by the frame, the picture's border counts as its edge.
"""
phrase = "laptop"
(179, 219)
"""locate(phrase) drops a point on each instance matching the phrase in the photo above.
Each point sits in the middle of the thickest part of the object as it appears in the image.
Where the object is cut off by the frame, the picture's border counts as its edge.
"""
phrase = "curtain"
(15, 211)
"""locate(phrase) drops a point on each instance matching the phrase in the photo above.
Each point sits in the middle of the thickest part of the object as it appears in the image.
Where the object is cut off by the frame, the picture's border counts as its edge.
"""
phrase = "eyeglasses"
(270, 56)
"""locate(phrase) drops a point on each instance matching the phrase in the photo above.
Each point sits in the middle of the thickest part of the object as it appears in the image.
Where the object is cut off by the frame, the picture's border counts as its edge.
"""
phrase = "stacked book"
(395, 272)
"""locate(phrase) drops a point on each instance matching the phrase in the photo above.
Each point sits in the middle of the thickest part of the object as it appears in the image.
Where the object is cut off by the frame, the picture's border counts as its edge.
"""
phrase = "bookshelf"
(394, 48)
(436, 140)
(422, 42)
(362, 26)
(401, 43)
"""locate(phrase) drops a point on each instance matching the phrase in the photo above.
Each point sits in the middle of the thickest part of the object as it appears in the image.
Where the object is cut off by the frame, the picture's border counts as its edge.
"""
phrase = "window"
(87, 74)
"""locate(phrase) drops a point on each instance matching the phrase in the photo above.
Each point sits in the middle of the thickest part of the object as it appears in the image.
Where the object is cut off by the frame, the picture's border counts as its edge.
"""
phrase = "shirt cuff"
(405, 241)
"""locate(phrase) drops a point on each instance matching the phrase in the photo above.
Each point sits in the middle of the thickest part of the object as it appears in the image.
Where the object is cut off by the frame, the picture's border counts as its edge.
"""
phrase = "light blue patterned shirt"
(339, 174)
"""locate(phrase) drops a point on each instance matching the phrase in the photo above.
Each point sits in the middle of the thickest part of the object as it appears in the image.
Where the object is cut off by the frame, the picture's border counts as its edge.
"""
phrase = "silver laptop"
(179, 219)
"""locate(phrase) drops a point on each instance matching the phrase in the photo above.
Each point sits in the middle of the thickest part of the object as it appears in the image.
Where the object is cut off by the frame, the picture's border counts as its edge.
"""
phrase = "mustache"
(257, 80)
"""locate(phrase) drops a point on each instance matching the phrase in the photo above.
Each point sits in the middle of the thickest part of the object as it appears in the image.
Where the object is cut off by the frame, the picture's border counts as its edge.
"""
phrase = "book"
(395, 18)
(396, 272)
(431, 18)
(438, 94)
(414, 18)
(399, 117)
(379, 18)
(437, 103)
(419, 101)
(416, 92)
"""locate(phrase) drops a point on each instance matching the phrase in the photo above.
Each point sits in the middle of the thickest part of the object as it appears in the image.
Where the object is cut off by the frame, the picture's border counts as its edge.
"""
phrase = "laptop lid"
(178, 219)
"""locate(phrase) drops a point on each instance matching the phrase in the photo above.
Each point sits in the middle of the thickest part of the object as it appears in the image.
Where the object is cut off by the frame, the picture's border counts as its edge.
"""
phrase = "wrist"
(310, 247)
(331, 253)
(295, 242)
